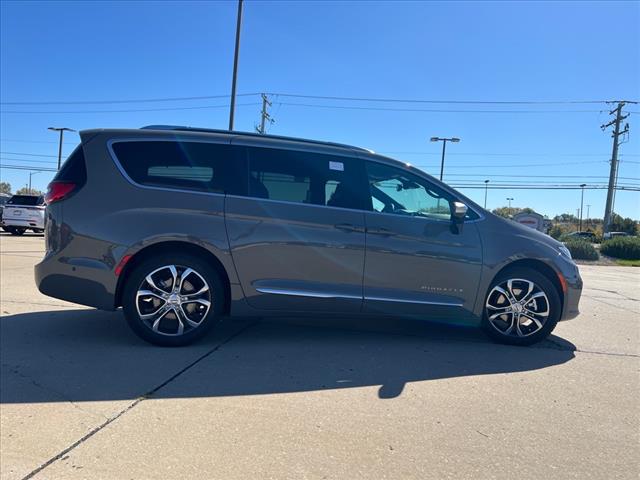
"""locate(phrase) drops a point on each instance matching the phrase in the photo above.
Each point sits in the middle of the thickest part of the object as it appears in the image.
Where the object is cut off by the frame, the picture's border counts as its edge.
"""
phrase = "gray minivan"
(181, 226)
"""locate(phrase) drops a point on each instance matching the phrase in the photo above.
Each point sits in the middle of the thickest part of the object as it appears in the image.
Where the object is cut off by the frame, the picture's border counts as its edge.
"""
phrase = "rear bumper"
(87, 284)
(22, 222)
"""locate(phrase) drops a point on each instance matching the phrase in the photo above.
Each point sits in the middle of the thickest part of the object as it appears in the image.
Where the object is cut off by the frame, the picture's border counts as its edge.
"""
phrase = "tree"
(507, 212)
(619, 224)
(5, 187)
(25, 191)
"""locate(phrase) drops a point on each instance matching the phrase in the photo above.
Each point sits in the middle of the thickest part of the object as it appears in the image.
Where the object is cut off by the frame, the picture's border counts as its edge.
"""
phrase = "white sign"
(336, 166)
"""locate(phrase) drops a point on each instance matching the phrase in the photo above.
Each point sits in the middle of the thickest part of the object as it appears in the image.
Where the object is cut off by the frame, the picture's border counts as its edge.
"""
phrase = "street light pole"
(486, 187)
(444, 148)
(232, 110)
(61, 130)
(509, 200)
(30, 175)
(581, 205)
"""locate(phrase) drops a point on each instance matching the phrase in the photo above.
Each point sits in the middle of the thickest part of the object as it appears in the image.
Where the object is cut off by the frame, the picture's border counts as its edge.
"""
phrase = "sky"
(120, 53)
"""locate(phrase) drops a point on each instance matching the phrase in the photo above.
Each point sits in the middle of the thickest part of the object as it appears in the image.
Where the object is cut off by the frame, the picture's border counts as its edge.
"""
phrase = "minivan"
(182, 226)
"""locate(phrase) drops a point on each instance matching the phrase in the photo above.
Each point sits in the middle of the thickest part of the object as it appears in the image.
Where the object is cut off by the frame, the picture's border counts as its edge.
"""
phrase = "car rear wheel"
(17, 230)
(522, 307)
(173, 300)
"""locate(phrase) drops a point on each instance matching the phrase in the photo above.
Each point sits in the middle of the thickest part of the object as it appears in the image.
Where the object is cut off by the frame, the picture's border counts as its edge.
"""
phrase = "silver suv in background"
(200, 224)
(22, 213)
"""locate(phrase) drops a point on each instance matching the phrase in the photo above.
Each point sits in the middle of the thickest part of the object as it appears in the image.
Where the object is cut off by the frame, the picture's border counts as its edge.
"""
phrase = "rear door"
(297, 239)
(416, 262)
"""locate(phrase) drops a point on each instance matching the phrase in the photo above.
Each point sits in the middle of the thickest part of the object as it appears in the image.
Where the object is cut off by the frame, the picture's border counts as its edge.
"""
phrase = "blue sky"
(462, 51)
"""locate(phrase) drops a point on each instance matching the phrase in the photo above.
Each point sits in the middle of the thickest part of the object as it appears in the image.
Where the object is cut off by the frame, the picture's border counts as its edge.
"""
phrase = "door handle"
(385, 232)
(348, 227)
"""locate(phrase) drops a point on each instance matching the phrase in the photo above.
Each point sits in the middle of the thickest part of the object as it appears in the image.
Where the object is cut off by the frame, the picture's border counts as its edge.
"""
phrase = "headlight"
(565, 251)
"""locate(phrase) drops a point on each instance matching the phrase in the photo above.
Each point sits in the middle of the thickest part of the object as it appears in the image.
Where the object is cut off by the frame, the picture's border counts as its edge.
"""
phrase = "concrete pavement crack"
(15, 370)
(133, 404)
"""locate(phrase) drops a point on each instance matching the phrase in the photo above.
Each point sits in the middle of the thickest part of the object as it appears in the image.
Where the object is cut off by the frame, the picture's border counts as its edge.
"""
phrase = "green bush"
(627, 248)
(581, 249)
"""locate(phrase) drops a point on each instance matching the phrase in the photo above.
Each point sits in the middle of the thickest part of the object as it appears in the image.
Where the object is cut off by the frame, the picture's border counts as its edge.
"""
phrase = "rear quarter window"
(198, 166)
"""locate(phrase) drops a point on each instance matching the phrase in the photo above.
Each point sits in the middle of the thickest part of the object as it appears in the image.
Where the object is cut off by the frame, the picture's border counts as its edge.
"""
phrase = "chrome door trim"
(306, 293)
(316, 294)
(419, 302)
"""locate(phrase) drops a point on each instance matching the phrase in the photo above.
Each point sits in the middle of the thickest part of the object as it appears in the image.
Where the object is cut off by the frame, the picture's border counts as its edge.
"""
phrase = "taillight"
(58, 191)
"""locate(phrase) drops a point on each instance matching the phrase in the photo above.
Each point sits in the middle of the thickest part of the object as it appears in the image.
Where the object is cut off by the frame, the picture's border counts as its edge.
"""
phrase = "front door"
(297, 240)
(417, 263)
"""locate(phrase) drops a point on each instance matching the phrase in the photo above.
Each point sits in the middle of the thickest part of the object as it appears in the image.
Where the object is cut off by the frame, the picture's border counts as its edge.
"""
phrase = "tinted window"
(25, 200)
(303, 177)
(73, 169)
(397, 191)
(208, 167)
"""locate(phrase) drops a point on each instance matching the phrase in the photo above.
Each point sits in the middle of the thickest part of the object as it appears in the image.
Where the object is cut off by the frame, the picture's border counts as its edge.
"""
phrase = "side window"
(200, 166)
(396, 191)
(303, 177)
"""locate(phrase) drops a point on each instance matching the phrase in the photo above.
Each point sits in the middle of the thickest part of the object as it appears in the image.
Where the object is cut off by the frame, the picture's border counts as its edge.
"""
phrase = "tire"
(38, 230)
(531, 322)
(17, 230)
(162, 327)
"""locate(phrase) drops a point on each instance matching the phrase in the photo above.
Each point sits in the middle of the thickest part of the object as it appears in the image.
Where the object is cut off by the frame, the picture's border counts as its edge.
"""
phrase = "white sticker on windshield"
(336, 166)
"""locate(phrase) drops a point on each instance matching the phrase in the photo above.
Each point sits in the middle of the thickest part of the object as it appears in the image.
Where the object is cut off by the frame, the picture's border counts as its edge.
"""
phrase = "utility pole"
(486, 187)
(588, 217)
(581, 205)
(264, 115)
(232, 109)
(613, 174)
(61, 130)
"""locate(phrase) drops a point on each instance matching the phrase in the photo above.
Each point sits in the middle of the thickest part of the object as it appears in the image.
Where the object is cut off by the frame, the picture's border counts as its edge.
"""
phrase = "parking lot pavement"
(81, 397)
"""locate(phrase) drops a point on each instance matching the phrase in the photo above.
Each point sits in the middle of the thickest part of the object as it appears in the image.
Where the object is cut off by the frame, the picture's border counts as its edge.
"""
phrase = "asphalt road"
(82, 397)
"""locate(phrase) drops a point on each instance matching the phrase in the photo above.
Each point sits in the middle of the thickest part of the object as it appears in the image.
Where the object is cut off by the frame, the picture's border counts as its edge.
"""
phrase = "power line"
(318, 97)
(138, 100)
(28, 160)
(28, 154)
(550, 187)
(414, 152)
(392, 109)
(513, 166)
(18, 167)
(128, 111)
(467, 102)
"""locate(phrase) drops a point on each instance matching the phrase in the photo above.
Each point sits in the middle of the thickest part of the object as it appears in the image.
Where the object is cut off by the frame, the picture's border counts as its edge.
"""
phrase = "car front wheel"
(173, 300)
(522, 307)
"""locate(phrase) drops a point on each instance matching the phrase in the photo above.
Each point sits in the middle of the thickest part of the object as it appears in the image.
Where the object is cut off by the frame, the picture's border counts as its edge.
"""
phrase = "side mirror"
(458, 212)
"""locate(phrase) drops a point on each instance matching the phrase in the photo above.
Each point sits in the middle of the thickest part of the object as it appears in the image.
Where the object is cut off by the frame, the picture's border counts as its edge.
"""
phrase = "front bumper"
(573, 281)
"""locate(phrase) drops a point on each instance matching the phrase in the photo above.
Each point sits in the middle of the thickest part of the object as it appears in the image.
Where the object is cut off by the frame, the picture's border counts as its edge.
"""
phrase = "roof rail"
(249, 134)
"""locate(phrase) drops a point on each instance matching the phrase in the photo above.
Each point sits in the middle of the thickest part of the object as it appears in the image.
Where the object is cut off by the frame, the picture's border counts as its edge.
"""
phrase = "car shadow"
(88, 355)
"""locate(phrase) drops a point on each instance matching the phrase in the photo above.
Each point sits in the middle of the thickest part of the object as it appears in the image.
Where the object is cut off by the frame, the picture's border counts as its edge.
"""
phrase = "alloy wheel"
(517, 307)
(173, 300)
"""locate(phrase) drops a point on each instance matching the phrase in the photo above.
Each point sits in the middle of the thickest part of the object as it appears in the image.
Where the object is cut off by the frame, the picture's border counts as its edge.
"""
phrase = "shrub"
(627, 248)
(581, 249)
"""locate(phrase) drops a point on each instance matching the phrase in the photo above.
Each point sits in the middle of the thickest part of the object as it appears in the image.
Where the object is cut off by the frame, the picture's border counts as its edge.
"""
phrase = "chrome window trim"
(222, 140)
(394, 215)
(119, 166)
